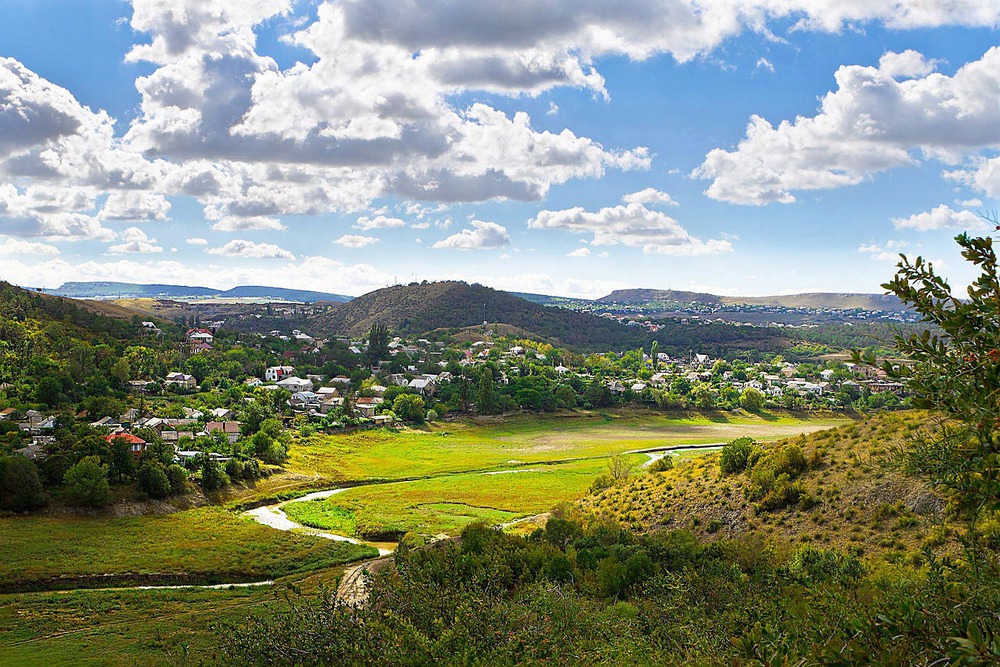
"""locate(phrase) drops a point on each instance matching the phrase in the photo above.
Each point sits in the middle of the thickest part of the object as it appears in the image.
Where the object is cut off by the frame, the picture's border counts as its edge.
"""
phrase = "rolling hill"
(421, 308)
(843, 301)
(118, 290)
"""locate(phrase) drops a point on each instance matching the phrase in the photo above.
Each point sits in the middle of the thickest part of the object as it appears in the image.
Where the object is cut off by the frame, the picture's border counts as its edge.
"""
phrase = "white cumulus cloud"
(630, 225)
(135, 206)
(874, 121)
(17, 247)
(941, 217)
(482, 236)
(378, 222)
(356, 241)
(649, 196)
(134, 241)
(251, 249)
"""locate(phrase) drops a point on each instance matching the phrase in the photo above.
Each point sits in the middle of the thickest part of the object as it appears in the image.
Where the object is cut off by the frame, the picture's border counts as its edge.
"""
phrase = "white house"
(180, 380)
(424, 385)
(278, 373)
(296, 384)
(304, 400)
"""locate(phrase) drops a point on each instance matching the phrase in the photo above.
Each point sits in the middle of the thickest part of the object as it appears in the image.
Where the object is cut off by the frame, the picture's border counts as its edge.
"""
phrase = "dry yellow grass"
(864, 502)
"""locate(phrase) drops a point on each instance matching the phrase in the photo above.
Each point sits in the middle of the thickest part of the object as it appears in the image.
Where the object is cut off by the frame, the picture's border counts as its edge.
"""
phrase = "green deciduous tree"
(486, 394)
(122, 468)
(751, 399)
(378, 343)
(212, 475)
(20, 486)
(409, 407)
(177, 476)
(87, 483)
(152, 480)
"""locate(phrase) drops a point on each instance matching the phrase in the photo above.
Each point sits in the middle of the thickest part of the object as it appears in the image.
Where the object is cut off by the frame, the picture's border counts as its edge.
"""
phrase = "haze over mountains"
(119, 290)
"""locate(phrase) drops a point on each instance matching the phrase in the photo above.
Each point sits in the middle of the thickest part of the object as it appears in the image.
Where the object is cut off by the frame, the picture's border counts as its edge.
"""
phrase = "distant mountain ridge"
(845, 300)
(105, 290)
(420, 308)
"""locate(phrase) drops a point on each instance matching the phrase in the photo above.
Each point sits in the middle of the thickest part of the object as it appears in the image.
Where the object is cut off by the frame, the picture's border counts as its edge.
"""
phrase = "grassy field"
(446, 504)
(205, 545)
(128, 628)
(118, 627)
(503, 443)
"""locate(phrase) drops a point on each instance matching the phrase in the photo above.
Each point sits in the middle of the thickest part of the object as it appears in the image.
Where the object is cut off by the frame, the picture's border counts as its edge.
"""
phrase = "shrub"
(152, 480)
(662, 465)
(561, 532)
(251, 469)
(736, 455)
(234, 468)
(276, 453)
(820, 565)
(212, 475)
(409, 407)
(782, 492)
(601, 483)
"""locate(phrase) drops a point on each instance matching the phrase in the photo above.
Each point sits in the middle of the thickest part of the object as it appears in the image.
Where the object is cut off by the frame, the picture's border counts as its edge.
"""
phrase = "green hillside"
(61, 342)
(419, 308)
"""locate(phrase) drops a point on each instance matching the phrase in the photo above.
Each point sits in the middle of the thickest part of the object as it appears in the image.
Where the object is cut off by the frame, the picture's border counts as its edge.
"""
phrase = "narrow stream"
(274, 517)
(662, 452)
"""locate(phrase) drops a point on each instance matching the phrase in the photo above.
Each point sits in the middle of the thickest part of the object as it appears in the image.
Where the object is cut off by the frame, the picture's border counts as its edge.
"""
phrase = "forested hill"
(44, 335)
(420, 308)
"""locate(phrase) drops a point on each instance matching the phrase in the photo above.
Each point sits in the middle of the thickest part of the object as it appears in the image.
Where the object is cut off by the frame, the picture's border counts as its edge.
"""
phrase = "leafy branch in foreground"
(956, 371)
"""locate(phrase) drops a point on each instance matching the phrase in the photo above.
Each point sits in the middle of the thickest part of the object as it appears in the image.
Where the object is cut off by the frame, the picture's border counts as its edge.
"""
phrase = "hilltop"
(848, 495)
(419, 308)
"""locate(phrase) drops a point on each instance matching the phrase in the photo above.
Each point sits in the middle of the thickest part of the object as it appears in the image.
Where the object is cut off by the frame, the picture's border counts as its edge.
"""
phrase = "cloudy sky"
(567, 147)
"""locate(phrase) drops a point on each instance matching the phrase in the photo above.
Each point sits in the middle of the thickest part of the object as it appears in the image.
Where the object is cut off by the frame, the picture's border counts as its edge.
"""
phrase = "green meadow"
(484, 445)
(448, 503)
(201, 546)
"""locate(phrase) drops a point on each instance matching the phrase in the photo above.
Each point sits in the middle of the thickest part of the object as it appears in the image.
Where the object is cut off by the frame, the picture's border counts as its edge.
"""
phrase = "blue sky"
(570, 148)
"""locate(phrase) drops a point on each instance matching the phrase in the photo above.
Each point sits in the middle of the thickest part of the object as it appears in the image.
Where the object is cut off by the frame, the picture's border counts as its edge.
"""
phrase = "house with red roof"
(136, 444)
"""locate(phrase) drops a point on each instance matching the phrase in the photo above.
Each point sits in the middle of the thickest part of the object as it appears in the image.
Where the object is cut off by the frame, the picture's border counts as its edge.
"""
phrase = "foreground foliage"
(591, 593)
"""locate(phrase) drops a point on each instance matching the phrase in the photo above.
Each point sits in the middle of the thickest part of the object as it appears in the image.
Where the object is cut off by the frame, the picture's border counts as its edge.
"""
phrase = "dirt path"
(353, 587)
